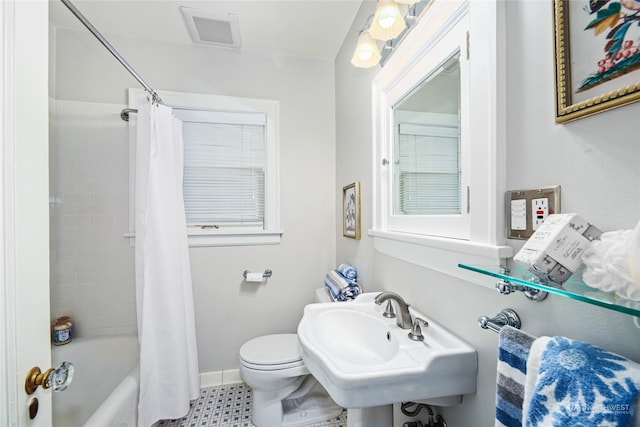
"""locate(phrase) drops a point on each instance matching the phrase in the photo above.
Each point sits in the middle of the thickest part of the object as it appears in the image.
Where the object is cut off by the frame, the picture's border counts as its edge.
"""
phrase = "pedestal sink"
(365, 360)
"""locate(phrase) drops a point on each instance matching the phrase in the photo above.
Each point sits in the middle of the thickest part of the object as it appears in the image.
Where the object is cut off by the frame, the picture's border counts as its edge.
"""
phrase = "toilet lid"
(271, 350)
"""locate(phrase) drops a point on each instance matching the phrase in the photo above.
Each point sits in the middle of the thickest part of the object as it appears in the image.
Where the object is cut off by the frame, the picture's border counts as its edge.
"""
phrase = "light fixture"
(367, 54)
(388, 22)
(409, 2)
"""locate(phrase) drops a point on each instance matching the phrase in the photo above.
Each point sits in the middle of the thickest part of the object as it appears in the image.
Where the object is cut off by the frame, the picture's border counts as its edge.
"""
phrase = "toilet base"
(313, 407)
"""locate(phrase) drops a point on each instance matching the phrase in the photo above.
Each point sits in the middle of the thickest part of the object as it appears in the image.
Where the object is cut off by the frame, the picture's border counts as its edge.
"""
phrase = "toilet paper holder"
(267, 273)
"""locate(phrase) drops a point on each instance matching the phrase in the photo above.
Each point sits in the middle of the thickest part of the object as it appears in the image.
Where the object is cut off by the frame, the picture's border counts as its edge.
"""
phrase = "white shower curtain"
(169, 374)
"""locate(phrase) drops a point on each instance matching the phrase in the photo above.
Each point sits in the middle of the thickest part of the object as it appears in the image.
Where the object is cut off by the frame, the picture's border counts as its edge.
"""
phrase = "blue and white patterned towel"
(513, 352)
(572, 383)
(341, 288)
(348, 271)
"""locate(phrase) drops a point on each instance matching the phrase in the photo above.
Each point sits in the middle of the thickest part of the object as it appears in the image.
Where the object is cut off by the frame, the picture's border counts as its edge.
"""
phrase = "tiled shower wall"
(92, 265)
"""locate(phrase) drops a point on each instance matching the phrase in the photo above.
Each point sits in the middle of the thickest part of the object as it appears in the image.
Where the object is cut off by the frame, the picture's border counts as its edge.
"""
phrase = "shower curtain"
(169, 374)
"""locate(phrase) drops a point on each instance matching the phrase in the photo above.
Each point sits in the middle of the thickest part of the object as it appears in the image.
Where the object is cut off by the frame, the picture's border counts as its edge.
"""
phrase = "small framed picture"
(351, 210)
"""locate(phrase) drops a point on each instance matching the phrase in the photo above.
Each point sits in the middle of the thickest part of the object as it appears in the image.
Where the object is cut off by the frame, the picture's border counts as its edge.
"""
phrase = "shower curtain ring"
(155, 98)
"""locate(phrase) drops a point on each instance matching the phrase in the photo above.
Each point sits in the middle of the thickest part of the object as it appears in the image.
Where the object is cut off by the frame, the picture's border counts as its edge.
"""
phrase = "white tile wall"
(92, 266)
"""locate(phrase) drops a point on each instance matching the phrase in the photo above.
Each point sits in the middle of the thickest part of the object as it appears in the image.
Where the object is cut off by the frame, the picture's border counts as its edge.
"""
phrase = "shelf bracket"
(505, 287)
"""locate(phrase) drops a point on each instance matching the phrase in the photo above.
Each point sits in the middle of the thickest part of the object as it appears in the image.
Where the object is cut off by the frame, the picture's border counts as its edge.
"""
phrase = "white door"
(24, 212)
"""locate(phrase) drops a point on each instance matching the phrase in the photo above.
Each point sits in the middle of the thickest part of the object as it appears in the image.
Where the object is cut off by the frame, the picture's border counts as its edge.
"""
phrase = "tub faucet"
(404, 319)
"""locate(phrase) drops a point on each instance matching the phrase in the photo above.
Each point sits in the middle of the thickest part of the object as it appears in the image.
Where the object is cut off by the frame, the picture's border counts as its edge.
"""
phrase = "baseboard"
(215, 378)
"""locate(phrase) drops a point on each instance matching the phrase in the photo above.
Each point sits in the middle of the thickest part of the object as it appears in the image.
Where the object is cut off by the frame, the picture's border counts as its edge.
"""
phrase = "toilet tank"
(322, 295)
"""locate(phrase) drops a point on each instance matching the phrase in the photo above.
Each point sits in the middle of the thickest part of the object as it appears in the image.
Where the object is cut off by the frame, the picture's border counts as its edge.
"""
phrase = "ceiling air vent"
(212, 29)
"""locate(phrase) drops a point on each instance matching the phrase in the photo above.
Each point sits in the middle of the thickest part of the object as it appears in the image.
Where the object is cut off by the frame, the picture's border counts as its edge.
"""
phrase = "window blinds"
(427, 171)
(224, 167)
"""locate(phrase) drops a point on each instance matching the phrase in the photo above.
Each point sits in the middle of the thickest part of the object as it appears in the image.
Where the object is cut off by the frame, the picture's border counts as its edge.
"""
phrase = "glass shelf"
(573, 288)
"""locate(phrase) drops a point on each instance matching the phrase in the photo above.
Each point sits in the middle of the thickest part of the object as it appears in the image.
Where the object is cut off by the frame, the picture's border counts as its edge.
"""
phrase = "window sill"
(208, 238)
(441, 254)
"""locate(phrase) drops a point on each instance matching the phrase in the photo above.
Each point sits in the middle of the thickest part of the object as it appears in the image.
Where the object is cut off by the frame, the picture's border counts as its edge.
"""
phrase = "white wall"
(594, 159)
(228, 312)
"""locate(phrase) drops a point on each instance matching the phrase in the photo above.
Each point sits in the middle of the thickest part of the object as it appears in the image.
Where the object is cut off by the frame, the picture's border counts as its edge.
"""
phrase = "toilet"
(284, 392)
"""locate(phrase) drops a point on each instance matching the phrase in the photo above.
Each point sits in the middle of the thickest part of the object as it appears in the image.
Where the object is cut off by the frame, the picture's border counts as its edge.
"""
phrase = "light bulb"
(388, 16)
(366, 54)
(388, 22)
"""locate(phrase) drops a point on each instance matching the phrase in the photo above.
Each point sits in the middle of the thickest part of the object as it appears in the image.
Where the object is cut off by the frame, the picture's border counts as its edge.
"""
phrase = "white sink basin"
(364, 359)
(345, 333)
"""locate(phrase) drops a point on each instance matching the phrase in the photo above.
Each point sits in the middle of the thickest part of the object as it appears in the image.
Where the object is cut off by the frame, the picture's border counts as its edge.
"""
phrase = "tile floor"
(229, 406)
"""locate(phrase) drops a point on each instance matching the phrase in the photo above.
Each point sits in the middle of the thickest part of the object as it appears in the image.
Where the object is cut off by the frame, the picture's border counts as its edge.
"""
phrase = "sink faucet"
(404, 319)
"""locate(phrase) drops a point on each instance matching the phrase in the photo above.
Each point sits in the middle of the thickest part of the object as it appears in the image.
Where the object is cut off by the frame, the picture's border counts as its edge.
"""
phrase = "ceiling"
(302, 28)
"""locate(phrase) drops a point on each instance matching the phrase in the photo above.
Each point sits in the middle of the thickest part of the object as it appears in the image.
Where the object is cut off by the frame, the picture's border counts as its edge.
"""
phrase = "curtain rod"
(154, 96)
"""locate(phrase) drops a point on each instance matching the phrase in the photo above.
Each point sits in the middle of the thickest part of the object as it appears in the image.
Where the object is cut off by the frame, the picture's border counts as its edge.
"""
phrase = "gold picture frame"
(351, 210)
(597, 57)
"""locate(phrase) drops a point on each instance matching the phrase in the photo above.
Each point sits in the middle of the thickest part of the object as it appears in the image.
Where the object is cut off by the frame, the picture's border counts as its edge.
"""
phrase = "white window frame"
(270, 233)
(477, 238)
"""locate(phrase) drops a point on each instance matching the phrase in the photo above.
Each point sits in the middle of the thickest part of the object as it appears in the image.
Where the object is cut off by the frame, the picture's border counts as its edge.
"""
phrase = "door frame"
(24, 214)
(8, 360)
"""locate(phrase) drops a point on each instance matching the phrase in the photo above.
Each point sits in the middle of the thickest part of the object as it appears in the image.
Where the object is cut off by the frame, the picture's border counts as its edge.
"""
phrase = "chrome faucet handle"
(389, 313)
(416, 329)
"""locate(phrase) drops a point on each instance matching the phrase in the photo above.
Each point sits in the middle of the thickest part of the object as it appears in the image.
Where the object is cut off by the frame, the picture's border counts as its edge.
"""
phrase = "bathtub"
(104, 390)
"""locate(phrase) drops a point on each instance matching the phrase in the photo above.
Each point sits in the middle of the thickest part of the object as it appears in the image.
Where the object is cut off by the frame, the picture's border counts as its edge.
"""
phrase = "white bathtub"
(104, 390)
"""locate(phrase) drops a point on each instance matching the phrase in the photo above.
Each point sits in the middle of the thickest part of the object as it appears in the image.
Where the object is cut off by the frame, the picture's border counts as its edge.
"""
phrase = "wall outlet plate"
(526, 209)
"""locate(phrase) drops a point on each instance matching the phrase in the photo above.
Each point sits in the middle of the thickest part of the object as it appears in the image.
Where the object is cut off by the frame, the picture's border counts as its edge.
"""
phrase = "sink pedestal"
(377, 416)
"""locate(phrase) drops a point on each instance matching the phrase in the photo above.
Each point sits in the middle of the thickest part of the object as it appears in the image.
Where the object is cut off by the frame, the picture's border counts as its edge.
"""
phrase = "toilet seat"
(271, 352)
(281, 367)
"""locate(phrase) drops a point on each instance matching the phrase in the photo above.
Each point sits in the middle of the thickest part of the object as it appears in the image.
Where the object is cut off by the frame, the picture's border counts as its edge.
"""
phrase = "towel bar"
(505, 317)
(267, 273)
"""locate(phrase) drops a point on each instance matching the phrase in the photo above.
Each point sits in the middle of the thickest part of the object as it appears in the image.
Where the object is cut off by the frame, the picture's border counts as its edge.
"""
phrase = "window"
(230, 167)
(224, 158)
(427, 173)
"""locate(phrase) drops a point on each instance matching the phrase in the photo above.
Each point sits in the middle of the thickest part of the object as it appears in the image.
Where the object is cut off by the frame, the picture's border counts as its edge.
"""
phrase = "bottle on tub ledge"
(62, 331)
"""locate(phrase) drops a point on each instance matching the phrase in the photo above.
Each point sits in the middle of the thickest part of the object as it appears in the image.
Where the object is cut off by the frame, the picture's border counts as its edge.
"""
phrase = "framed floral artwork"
(351, 210)
(597, 56)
